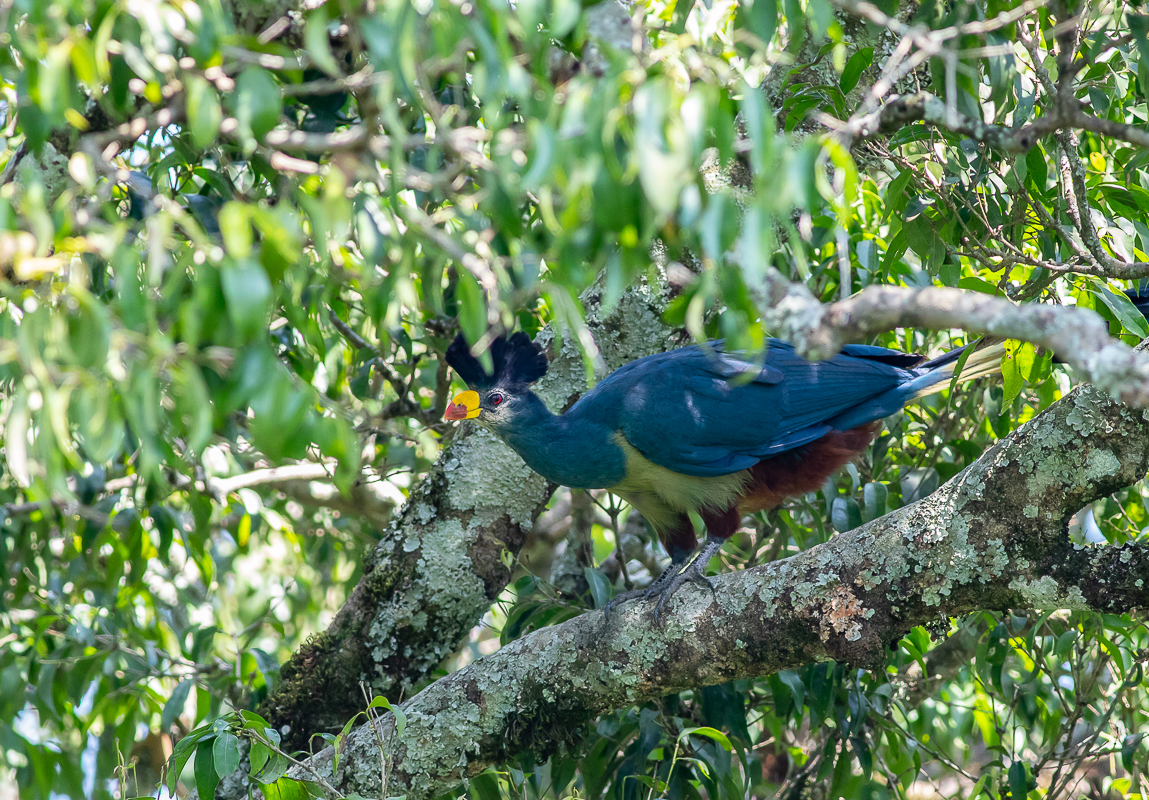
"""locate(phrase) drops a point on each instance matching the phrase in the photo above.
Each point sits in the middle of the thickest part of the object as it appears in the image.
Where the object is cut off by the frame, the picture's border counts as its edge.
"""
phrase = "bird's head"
(495, 397)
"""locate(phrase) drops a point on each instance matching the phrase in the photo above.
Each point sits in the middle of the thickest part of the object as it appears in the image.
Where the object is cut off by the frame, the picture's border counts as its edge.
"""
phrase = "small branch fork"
(1063, 114)
(404, 405)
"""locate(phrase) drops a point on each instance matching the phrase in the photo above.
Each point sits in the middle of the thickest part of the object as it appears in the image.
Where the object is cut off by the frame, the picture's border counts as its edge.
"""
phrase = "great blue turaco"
(699, 430)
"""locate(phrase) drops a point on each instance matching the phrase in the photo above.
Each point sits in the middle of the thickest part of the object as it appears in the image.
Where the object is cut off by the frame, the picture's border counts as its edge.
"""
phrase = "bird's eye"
(497, 399)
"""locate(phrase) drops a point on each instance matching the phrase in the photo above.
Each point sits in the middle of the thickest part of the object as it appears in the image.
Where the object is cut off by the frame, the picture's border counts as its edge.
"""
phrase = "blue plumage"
(720, 426)
(697, 429)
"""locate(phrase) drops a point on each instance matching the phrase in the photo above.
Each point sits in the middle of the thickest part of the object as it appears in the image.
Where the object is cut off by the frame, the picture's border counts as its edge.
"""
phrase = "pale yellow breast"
(661, 494)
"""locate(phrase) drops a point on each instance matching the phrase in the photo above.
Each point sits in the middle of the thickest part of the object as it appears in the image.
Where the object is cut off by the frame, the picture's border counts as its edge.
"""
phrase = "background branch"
(1078, 336)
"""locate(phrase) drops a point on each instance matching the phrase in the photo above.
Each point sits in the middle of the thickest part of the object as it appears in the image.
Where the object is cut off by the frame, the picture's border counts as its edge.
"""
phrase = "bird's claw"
(673, 578)
(639, 594)
(692, 572)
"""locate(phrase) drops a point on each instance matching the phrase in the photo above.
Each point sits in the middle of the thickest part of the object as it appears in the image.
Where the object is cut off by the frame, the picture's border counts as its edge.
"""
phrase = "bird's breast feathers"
(661, 495)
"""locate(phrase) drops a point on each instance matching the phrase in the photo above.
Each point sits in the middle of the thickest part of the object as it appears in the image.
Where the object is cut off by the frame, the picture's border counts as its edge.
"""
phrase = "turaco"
(700, 430)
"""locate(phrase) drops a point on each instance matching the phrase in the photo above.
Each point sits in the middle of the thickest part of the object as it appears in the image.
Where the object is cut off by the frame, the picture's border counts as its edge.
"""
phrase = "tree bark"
(994, 537)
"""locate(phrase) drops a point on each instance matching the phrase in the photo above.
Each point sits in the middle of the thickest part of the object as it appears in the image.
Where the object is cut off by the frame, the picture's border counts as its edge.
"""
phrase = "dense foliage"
(264, 267)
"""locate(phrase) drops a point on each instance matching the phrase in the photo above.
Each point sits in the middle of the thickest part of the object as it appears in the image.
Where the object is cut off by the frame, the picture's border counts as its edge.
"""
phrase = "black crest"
(517, 360)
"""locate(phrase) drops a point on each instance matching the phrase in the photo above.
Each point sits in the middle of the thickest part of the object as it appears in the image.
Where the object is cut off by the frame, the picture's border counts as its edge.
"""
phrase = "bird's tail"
(938, 372)
(932, 376)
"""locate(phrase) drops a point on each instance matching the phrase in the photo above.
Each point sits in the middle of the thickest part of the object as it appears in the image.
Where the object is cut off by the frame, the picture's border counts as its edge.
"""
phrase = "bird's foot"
(673, 578)
(693, 570)
(642, 594)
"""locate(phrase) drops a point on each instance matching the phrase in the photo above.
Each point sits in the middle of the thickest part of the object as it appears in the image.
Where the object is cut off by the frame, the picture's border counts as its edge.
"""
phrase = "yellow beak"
(464, 406)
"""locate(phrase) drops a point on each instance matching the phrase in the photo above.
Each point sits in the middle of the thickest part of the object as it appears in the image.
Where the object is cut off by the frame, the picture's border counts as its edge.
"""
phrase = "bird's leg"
(689, 567)
(693, 570)
(681, 543)
(720, 526)
(654, 588)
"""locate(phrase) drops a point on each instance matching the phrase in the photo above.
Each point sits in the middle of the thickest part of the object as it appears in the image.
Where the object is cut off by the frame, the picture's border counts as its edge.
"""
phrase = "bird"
(700, 430)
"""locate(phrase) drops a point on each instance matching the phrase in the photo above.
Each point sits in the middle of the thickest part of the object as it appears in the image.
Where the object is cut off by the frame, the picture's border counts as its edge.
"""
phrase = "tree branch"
(899, 111)
(995, 537)
(1063, 116)
(1079, 336)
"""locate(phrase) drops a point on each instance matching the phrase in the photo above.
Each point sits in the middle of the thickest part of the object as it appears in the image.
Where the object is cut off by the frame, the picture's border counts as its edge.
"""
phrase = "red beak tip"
(455, 412)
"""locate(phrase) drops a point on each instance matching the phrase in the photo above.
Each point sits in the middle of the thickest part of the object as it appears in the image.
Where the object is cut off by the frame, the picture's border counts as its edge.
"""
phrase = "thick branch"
(994, 537)
(1078, 336)
(900, 111)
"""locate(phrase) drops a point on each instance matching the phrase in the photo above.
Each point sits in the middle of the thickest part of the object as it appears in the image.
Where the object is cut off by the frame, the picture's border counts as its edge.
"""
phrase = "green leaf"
(1026, 358)
(472, 306)
(400, 717)
(895, 196)
(958, 367)
(400, 721)
(874, 496)
(1121, 306)
(175, 704)
(795, 20)
(709, 733)
(1139, 27)
(1017, 780)
(380, 702)
(1129, 749)
(793, 682)
(183, 750)
(337, 745)
(894, 252)
(656, 784)
(206, 778)
(193, 406)
(920, 236)
(979, 285)
(564, 16)
(248, 294)
(599, 586)
(235, 227)
(253, 720)
(854, 68)
(1011, 374)
(16, 439)
(225, 753)
(763, 19)
(285, 789)
(1037, 169)
(203, 111)
(845, 514)
(485, 786)
(257, 104)
(258, 757)
(861, 749)
(318, 43)
(277, 764)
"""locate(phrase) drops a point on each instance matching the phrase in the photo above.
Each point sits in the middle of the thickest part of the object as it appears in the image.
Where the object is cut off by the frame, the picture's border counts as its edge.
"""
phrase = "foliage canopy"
(236, 238)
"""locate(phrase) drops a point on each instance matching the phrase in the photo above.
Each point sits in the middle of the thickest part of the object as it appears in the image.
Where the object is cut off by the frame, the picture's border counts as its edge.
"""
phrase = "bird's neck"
(565, 449)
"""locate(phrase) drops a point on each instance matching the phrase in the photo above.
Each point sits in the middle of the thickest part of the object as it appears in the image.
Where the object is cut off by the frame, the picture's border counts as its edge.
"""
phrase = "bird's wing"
(707, 413)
